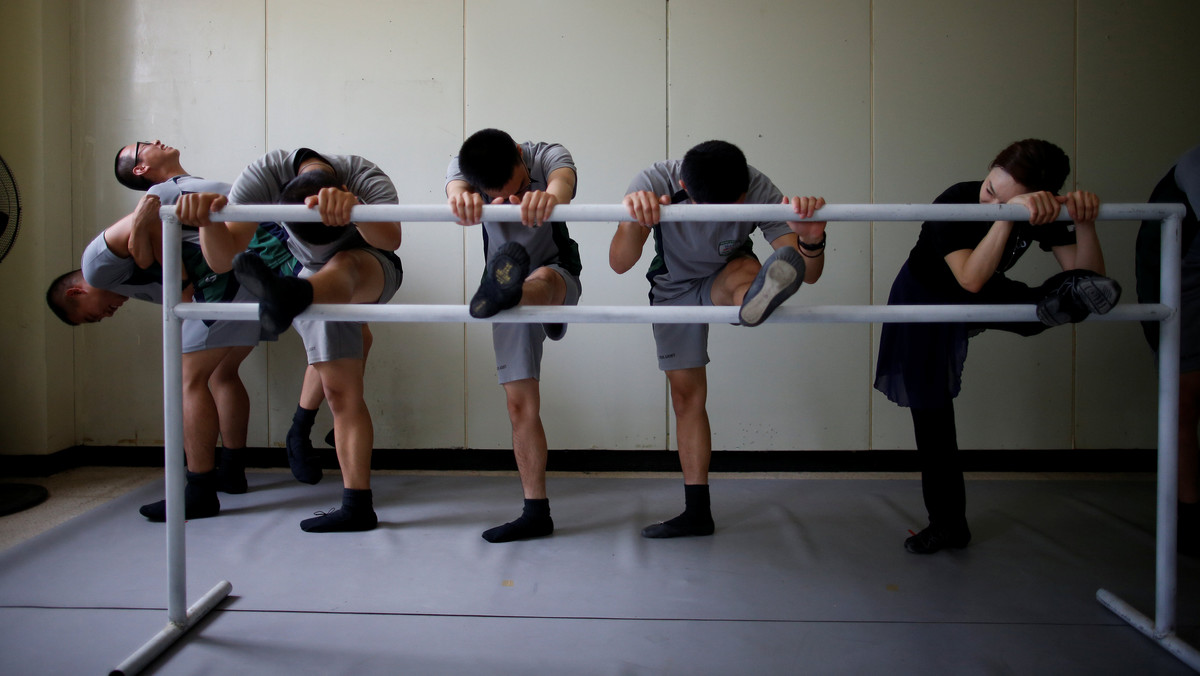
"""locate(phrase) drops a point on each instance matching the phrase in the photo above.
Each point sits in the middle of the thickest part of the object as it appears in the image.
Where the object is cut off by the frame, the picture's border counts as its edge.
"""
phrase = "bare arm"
(335, 204)
(809, 232)
(1085, 254)
(145, 236)
(974, 267)
(219, 241)
(627, 243)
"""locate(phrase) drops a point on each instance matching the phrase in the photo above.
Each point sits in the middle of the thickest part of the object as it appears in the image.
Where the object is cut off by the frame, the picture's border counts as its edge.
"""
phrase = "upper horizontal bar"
(692, 212)
(643, 314)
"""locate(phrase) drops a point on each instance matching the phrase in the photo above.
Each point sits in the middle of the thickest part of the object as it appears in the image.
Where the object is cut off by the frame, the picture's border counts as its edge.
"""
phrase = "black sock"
(302, 457)
(231, 470)
(534, 522)
(356, 514)
(696, 518)
(280, 298)
(199, 499)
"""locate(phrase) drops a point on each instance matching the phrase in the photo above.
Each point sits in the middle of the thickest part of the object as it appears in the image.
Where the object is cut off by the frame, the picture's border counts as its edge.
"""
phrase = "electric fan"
(14, 497)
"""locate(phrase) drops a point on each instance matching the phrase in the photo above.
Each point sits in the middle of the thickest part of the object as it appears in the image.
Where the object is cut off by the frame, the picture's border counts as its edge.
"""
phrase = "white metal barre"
(686, 212)
(1161, 629)
(639, 314)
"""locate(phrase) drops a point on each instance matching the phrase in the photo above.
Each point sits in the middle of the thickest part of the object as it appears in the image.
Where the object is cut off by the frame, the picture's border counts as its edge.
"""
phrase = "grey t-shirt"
(262, 183)
(689, 251)
(105, 270)
(550, 243)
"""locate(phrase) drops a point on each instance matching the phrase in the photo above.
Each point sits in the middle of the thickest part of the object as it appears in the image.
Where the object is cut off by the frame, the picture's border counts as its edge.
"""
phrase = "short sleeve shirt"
(262, 183)
(927, 260)
(550, 243)
(689, 251)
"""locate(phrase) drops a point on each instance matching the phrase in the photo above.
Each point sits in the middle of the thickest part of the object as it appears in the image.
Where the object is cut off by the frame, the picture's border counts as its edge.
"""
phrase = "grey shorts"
(684, 346)
(200, 335)
(519, 346)
(327, 341)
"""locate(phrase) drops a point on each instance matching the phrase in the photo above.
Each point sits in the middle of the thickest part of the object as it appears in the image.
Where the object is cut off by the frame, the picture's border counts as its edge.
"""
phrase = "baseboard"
(1065, 460)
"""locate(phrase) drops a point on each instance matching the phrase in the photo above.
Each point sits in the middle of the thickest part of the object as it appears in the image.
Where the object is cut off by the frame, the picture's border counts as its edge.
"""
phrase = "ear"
(139, 169)
(75, 291)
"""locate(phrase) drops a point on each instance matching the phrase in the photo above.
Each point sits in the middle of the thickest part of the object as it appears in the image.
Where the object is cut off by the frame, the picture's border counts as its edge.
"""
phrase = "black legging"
(941, 468)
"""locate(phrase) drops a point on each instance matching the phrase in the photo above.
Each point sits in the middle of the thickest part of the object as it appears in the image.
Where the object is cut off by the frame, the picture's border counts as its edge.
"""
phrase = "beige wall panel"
(140, 75)
(788, 82)
(38, 397)
(954, 82)
(590, 76)
(383, 80)
(1139, 109)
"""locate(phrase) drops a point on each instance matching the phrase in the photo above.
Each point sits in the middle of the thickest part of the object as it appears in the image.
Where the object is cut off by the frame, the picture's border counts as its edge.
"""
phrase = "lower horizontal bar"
(1169, 641)
(644, 314)
(157, 645)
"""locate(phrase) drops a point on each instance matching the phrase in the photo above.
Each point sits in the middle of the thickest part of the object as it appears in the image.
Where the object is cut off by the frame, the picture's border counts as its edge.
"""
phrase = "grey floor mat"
(802, 576)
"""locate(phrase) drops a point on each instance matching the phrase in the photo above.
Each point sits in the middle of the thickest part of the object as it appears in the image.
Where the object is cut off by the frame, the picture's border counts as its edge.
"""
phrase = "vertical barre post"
(1168, 428)
(172, 263)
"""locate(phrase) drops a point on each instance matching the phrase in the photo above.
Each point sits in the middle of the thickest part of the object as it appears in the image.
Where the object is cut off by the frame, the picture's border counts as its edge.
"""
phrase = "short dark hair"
(301, 188)
(487, 158)
(123, 168)
(1036, 164)
(306, 185)
(715, 172)
(56, 295)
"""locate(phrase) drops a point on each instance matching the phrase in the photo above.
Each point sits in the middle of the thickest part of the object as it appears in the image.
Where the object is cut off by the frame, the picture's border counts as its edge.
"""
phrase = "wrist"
(812, 246)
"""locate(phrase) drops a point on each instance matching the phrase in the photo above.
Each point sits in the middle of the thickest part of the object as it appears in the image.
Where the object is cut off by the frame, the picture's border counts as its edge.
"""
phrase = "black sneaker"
(502, 281)
(1072, 295)
(937, 538)
(779, 278)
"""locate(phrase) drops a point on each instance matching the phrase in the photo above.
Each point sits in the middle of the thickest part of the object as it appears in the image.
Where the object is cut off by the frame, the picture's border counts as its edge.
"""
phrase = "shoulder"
(661, 177)
(966, 192)
(761, 189)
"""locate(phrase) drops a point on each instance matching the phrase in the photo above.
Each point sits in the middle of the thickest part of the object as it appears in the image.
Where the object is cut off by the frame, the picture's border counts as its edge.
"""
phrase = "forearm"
(384, 235)
(974, 269)
(116, 236)
(626, 247)
(1087, 254)
(220, 242)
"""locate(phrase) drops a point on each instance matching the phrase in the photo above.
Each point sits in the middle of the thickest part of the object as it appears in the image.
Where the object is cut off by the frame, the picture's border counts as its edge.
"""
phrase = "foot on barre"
(199, 499)
(779, 278)
(356, 514)
(935, 538)
(1072, 295)
(502, 281)
(534, 522)
(281, 298)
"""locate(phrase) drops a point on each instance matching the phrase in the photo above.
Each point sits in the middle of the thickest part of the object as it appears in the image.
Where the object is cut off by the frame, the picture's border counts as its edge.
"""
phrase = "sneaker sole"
(1099, 294)
(782, 279)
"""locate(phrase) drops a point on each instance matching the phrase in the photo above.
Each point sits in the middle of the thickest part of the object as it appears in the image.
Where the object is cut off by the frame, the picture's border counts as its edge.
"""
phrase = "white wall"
(859, 101)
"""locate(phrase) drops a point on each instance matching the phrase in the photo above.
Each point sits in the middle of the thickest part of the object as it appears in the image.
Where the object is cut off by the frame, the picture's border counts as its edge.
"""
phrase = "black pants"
(942, 483)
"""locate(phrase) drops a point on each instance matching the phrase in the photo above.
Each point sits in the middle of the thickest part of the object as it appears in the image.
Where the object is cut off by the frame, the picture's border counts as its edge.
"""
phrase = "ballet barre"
(1166, 312)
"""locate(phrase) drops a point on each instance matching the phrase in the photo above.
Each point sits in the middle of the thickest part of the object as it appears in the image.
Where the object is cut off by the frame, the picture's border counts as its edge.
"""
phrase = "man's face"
(93, 304)
(151, 153)
(518, 184)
